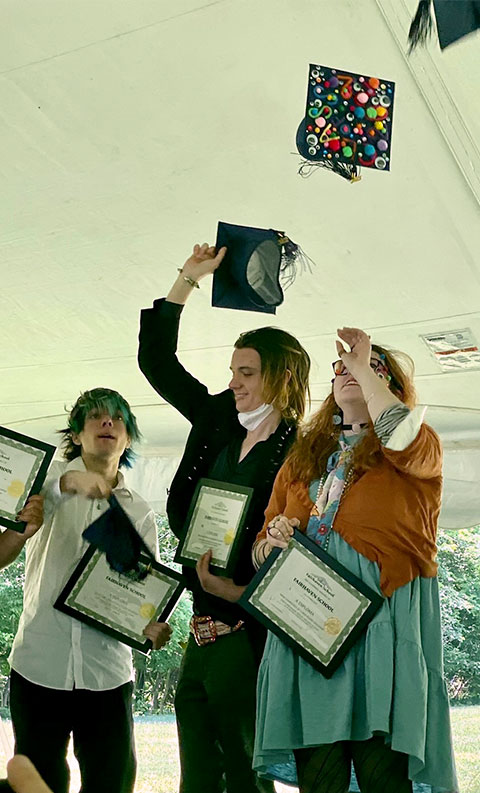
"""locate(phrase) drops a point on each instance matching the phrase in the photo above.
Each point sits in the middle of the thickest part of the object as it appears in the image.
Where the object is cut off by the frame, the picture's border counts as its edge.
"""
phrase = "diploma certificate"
(24, 464)
(214, 521)
(312, 602)
(117, 603)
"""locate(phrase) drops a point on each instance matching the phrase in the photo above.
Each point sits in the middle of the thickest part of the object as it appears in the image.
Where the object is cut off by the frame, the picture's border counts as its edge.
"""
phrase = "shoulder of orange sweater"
(422, 458)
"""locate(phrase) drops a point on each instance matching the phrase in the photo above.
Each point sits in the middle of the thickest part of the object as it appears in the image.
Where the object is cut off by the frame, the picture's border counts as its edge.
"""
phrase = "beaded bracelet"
(188, 279)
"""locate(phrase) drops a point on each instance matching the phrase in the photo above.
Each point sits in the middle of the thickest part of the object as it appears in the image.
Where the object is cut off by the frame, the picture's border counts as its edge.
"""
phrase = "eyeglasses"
(339, 368)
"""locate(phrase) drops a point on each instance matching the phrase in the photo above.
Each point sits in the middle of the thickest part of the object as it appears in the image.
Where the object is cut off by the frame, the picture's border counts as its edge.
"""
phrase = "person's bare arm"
(203, 261)
(217, 585)
(23, 777)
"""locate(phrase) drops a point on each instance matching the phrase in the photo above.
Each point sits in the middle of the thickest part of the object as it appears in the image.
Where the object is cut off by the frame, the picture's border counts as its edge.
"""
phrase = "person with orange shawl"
(364, 481)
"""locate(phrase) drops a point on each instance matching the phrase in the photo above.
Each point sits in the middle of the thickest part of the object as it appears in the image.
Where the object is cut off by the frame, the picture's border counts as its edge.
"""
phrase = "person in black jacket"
(241, 436)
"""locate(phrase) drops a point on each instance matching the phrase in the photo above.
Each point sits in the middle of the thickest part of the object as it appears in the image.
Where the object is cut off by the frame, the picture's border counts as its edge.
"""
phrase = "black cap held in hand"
(249, 276)
(114, 533)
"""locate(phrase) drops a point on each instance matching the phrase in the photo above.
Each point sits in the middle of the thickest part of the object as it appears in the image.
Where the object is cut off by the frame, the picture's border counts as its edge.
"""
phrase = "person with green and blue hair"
(68, 678)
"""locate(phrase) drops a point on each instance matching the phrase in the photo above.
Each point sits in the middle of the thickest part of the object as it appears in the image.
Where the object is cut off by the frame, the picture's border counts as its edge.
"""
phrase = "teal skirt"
(390, 683)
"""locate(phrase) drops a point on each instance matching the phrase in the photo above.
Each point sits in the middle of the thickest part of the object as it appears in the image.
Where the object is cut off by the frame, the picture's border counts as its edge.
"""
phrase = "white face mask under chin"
(254, 418)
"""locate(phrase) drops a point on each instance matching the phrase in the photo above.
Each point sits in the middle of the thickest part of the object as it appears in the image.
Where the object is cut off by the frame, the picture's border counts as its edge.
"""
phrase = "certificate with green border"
(215, 520)
(120, 604)
(24, 463)
(312, 602)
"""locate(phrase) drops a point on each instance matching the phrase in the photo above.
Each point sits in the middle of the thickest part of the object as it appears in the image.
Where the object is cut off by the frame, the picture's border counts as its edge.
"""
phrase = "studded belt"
(206, 630)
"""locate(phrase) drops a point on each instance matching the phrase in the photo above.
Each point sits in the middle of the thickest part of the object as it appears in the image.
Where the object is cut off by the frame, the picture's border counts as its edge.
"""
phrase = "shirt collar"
(78, 465)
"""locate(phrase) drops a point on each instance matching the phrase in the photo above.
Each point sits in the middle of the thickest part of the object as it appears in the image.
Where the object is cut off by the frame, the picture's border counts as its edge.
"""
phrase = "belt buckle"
(208, 627)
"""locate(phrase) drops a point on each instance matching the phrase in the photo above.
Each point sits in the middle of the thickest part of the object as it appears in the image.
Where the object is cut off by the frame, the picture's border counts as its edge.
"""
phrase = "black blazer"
(213, 417)
(214, 420)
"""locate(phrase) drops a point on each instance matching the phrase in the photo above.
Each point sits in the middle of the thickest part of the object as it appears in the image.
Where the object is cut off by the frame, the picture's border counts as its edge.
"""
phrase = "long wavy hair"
(279, 351)
(318, 438)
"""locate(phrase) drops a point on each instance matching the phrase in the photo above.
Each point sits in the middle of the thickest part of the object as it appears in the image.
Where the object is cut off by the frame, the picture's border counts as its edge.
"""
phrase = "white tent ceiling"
(130, 127)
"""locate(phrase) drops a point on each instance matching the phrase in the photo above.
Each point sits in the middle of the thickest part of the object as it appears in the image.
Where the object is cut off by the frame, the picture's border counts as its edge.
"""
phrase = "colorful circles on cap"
(351, 117)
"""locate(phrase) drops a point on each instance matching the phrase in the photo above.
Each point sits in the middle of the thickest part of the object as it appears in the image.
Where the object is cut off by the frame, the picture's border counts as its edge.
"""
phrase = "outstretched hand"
(358, 359)
(203, 261)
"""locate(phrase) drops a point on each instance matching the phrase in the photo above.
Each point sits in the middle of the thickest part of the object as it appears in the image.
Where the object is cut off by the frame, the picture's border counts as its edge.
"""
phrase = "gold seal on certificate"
(312, 602)
(215, 520)
(120, 604)
(24, 464)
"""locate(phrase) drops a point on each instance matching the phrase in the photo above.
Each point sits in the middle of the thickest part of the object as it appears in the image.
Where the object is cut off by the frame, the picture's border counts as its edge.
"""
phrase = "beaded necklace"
(324, 512)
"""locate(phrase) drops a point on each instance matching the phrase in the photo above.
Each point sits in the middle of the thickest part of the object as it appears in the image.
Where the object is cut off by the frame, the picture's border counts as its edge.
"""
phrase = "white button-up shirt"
(51, 648)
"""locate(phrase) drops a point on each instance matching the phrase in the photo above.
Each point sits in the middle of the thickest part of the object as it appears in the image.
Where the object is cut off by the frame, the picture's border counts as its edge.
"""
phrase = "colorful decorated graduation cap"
(347, 124)
(257, 264)
(114, 533)
(455, 19)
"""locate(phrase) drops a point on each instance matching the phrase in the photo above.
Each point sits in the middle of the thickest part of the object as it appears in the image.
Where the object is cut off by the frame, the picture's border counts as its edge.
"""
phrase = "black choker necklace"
(355, 427)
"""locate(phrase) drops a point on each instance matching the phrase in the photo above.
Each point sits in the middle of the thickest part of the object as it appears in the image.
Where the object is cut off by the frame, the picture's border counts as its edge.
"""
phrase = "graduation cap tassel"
(422, 25)
(293, 260)
(346, 171)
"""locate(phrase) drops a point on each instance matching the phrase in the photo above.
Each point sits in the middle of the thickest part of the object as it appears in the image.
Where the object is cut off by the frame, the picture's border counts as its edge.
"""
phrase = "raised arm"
(158, 339)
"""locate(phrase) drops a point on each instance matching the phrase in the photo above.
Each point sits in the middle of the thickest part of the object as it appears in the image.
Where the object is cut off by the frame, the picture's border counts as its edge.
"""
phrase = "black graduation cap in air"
(455, 19)
(114, 533)
(257, 264)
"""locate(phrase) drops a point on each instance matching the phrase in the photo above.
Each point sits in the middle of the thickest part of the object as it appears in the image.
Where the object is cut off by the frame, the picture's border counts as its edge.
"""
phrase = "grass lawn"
(158, 753)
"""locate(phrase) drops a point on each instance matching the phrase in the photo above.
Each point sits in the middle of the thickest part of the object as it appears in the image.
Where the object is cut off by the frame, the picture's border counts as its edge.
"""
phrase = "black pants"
(215, 707)
(101, 723)
(326, 769)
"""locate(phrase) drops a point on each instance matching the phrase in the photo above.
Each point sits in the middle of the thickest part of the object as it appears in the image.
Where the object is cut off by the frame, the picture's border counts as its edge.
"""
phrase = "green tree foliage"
(11, 603)
(157, 673)
(459, 579)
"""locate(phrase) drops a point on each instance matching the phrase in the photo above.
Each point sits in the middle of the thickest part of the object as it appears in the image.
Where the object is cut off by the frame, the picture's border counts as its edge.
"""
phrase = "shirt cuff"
(168, 308)
(406, 432)
(52, 491)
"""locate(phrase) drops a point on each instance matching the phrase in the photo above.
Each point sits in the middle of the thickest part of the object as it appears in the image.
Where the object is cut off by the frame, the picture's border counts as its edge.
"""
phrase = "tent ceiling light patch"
(454, 350)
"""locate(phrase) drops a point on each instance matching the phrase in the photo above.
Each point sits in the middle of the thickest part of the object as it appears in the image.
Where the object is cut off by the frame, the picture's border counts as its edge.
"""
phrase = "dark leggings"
(326, 769)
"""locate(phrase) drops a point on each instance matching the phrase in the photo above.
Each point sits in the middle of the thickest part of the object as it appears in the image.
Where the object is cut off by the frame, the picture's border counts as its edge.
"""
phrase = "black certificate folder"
(215, 522)
(312, 602)
(120, 604)
(24, 463)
